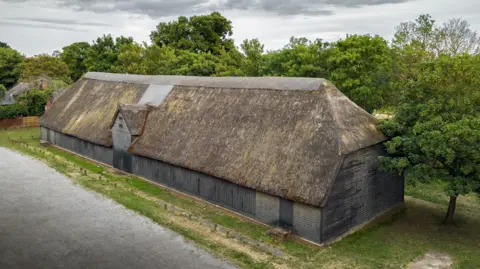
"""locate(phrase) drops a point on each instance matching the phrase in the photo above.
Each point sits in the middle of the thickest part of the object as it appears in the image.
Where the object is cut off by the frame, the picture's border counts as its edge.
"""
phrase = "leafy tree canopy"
(3, 91)
(35, 101)
(74, 56)
(360, 66)
(44, 66)
(300, 58)
(253, 51)
(4, 45)
(13, 111)
(9, 61)
(205, 33)
(436, 132)
(103, 53)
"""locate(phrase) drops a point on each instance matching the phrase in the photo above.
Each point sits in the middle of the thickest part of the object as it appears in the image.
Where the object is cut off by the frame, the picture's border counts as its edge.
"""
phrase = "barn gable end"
(359, 193)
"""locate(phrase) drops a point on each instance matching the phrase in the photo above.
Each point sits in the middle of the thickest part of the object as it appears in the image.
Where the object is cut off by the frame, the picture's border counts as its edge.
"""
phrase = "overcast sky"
(42, 26)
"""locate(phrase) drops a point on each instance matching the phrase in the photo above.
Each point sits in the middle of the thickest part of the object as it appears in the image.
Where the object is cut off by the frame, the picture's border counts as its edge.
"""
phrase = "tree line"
(427, 76)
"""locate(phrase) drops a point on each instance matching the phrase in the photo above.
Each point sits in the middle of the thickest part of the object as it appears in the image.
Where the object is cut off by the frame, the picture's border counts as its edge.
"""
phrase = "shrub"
(13, 111)
(35, 101)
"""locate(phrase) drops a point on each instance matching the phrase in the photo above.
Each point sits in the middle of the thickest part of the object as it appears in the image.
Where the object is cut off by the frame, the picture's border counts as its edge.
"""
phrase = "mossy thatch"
(286, 143)
(87, 109)
(134, 116)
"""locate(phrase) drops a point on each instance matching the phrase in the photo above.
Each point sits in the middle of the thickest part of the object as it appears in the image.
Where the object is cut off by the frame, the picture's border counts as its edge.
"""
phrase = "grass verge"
(391, 244)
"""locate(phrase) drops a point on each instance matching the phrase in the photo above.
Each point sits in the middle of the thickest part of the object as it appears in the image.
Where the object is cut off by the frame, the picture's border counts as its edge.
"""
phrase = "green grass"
(157, 214)
(467, 205)
(389, 244)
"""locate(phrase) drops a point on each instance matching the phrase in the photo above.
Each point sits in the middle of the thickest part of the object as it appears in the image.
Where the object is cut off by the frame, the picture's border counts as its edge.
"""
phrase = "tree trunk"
(449, 218)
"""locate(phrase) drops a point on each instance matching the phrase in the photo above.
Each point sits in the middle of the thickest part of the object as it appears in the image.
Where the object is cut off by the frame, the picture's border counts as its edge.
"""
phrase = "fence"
(19, 122)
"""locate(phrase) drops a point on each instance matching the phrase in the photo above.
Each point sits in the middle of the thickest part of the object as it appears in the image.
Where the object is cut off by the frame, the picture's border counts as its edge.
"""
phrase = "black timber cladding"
(82, 147)
(286, 213)
(122, 160)
(210, 188)
(360, 192)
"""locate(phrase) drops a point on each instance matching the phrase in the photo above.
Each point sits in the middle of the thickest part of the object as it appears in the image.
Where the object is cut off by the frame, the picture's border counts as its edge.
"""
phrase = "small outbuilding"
(289, 152)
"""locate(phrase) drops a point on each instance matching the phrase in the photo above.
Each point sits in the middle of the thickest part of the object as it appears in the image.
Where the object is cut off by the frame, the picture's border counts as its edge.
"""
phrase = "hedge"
(13, 111)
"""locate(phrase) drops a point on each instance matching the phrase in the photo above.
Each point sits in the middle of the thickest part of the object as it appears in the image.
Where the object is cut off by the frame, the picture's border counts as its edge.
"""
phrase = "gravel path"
(48, 222)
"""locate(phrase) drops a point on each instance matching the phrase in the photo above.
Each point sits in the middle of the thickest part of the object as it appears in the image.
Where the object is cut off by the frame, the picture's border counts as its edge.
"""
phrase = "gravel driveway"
(48, 222)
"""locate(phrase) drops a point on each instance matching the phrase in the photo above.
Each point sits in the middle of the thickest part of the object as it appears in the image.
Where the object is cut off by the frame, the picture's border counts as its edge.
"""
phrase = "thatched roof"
(13, 93)
(283, 136)
(20, 88)
(8, 99)
(87, 109)
(134, 116)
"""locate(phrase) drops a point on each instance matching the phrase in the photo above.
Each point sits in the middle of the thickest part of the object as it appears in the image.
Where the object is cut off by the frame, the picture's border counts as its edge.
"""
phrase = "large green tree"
(44, 66)
(131, 60)
(436, 131)
(9, 61)
(103, 53)
(205, 33)
(195, 64)
(231, 63)
(159, 60)
(74, 56)
(299, 58)
(253, 51)
(163, 60)
(360, 66)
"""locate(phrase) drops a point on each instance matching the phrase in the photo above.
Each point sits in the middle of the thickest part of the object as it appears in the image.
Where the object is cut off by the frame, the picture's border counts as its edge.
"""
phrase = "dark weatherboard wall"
(360, 193)
(82, 147)
(304, 220)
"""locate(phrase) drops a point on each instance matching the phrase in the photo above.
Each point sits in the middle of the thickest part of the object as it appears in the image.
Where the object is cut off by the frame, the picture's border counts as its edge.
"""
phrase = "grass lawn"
(390, 244)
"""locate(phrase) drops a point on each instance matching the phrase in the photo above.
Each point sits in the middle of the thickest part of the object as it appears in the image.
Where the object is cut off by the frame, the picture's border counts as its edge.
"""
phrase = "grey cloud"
(358, 3)
(40, 26)
(301, 7)
(162, 8)
(57, 21)
(152, 8)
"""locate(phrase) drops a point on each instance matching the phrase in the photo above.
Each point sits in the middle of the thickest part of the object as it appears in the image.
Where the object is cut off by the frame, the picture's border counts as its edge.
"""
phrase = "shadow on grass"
(393, 243)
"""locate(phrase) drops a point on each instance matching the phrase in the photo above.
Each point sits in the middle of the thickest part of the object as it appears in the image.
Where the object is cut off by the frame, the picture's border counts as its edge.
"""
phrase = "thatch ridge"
(271, 83)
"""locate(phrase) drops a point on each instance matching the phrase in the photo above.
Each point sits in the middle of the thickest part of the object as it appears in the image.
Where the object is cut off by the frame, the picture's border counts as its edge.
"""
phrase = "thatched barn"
(289, 152)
